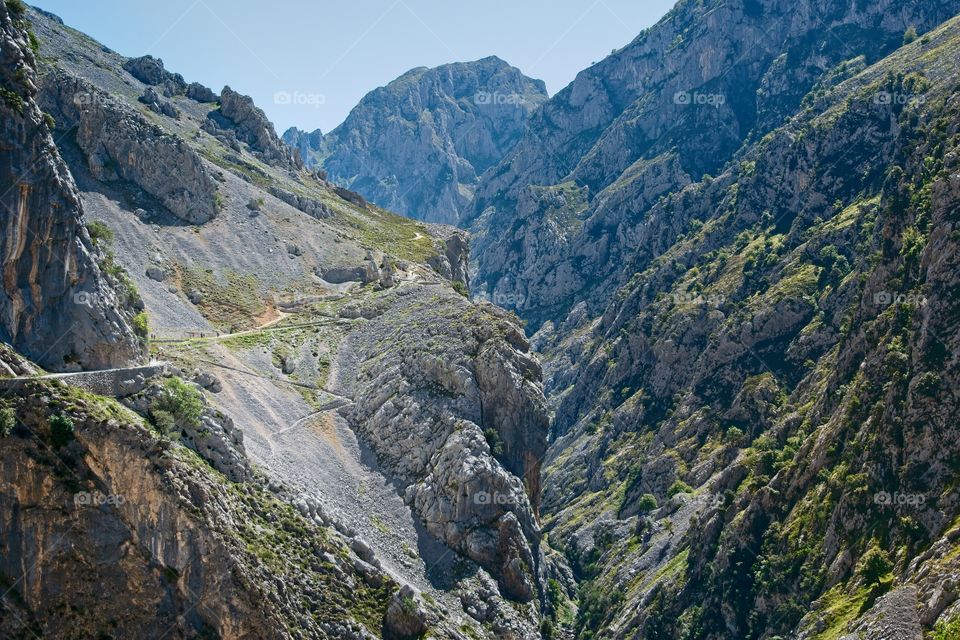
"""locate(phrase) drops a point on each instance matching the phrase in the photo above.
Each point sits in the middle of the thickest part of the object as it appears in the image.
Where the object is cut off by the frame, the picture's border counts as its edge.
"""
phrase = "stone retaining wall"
(114, 383)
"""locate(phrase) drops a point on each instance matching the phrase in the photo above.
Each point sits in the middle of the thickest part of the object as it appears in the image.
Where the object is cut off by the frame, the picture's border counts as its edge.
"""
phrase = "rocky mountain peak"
(420, 144)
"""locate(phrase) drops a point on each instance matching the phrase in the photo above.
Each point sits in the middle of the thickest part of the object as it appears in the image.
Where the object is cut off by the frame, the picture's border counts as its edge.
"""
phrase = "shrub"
(679, 486)
(164, 421)
(61, 430)
(928, 384)
(947, 629)
(140, 325)
(494, 440)
(875, 565)
(461, 288)
(909, 35)
(182, 401)
(16, 8)
(648, 502)
(734, 435)
(100, 233)
(546, 630)
(8, 420)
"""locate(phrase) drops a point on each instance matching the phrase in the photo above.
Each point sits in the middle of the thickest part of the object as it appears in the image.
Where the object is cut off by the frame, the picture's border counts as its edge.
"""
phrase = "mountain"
(419, 145)
(557, 220)
(59, 305)
(330, 441)
(723, 405)
(752, 440)
(750, 371)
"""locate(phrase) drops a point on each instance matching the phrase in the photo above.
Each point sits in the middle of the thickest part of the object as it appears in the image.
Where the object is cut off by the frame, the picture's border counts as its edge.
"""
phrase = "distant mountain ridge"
(419, 145)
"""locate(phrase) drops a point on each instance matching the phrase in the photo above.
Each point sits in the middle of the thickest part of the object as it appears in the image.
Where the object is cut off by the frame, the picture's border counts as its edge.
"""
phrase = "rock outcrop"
(56, 305)
(239, 114)
(419, 145)
(453, 409)
(453, 254)
(110, 529)
(150, 71)
(120, 144)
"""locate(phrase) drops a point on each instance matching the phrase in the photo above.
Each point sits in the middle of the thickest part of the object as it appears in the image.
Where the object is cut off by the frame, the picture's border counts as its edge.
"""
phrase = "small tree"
(8, 420)
(61, 430)
(180, 400)
(909, 35)
(875, 565)
(648, 502)
(679, 486)
(494, 440)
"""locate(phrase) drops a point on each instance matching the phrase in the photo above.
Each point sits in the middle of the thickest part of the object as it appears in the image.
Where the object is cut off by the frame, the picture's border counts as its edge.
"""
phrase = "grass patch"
(231, 302)
(839, 609)
(398, 236)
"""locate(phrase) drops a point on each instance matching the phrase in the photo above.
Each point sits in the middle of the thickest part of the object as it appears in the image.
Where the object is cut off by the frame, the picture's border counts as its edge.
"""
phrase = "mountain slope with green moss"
(758, 437)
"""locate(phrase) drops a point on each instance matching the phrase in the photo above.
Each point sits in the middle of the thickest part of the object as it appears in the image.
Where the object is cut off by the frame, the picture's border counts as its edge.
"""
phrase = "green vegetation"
(875, 565)
(102, 237)
(839, 609)
(100, 233)
(909, 35)
(232, 301)
(17, 9)
(679, 486)
(647, 503)
(8, 420)
(461, 288)
(947, 629)
(182, 401)
(596, 606)
(141, 326)
(13, 99)
(395, 235)
(494, 440)
(61, 430)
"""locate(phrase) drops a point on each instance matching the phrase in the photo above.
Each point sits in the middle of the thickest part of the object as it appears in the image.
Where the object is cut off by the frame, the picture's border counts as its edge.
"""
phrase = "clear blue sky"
(321, 57)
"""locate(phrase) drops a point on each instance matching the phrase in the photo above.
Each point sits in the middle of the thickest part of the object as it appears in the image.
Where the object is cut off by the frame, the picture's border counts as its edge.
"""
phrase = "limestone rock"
(463, 117)
(56, 305)
(120, 144)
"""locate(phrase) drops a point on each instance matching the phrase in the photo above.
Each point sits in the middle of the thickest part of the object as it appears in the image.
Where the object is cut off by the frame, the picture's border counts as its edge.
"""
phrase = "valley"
(671, 353)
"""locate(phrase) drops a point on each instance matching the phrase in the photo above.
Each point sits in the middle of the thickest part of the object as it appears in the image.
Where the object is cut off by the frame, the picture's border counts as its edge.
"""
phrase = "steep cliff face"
(111, 529)
(752, 440)
(120, 144)
(554, 223)
(448, 396)
(419, 145)
(57, 305)
(237, 113)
